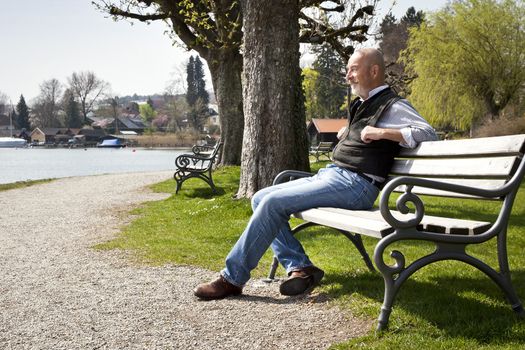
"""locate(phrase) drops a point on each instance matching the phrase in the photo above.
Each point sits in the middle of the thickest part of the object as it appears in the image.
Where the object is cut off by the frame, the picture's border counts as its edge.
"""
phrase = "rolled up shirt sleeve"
(413, 127)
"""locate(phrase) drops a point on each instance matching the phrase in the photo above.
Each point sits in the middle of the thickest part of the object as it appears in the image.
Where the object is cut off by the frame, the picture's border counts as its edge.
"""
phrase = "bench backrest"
(485, 163)
(324, 146)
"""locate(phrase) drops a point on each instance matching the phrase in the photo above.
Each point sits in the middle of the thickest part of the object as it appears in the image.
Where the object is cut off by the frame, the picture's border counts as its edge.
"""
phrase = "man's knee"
(256, 199)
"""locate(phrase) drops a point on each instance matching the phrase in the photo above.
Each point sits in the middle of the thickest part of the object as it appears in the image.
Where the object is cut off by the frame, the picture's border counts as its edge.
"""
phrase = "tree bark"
(274, 121)
(225, 68)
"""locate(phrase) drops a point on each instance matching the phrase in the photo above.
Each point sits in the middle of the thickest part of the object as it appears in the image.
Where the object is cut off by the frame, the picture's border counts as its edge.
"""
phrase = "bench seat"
(371, 222)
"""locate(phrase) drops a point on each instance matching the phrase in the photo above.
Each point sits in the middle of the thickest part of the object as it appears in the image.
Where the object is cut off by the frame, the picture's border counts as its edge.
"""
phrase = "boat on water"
(12, 142)
(111, 143)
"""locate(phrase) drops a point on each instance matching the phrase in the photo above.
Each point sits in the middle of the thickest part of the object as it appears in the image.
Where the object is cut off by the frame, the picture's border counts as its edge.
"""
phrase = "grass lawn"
(447, 305)
(20, 184)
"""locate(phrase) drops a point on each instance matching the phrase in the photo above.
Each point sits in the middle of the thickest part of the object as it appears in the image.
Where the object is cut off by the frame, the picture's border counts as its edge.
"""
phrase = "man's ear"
(374, 70)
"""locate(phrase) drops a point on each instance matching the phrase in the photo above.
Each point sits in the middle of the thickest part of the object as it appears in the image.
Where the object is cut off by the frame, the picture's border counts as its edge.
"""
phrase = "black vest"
(376, 157)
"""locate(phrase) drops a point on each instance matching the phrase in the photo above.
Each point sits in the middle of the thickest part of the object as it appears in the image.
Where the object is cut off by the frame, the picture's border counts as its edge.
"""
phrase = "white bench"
(486, 168)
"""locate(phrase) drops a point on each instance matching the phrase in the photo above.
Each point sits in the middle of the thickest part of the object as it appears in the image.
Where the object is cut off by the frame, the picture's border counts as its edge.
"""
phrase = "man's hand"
(370, 133)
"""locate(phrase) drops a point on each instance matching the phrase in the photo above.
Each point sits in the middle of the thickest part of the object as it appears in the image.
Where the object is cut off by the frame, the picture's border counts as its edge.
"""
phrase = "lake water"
(44, 163)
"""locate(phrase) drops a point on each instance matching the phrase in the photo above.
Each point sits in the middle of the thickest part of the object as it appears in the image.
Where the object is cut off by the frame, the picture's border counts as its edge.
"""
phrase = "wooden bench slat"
(457, 167)
(485, 146)
(486, 184)
(362, 225)
(371, 223)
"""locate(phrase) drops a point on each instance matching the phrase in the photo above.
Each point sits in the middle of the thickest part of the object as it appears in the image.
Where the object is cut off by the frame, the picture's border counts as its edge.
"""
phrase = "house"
(125, 122)
(324, 130)
(90, 136)
(51, 135)
(130, 122)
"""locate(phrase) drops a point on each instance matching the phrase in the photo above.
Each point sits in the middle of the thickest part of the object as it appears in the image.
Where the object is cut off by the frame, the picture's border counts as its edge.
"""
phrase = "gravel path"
(57, 292)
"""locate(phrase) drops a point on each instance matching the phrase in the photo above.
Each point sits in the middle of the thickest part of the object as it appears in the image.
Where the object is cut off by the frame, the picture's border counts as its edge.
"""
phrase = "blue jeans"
(272, 206)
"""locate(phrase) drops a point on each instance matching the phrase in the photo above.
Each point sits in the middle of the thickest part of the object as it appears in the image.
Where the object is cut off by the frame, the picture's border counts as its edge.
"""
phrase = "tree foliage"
(394, 37)
(147, 112)
(200, 82)
(3, 103)
(22, 114)
(470, 61)
(329, 87)
(45, 112)
(87, 88)
(73, 119)
(196, 95)
(310, 77)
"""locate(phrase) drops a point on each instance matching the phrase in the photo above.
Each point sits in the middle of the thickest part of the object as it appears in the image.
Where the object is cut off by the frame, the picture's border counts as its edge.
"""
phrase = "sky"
(46, 39)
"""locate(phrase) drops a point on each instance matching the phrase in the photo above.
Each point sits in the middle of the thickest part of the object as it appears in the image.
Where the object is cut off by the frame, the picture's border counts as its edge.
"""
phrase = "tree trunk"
(274, 121)
(225, 68)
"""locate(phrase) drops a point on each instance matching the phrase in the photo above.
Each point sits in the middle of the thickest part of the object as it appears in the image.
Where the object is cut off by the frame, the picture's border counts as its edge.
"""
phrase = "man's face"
(359, 75)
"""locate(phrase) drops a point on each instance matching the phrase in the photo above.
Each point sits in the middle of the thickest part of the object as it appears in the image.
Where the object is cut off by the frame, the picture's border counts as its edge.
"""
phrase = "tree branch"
(115, 11)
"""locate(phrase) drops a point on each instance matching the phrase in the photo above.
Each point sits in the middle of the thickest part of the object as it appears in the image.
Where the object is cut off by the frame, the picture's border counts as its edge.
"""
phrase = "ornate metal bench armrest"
(408, 196)
(202, 148)
(185, 160)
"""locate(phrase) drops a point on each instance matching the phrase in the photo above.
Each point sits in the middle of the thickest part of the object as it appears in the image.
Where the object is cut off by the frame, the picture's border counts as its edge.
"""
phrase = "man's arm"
(403, 118)
(371, 133)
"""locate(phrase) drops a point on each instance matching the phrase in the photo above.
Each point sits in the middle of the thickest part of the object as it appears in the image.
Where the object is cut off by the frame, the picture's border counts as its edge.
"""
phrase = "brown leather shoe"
(301, 280)
(218, 289)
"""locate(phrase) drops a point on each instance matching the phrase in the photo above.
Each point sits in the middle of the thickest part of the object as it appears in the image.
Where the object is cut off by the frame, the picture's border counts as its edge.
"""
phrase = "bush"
(504, 125)
(178, 139)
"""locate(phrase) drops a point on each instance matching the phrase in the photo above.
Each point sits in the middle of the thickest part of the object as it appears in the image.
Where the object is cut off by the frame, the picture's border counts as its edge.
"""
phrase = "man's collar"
(376, 91)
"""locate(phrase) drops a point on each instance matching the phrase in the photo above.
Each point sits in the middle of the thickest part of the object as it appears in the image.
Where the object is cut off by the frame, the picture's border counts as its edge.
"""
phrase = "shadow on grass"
(202, 192)
(467, 307)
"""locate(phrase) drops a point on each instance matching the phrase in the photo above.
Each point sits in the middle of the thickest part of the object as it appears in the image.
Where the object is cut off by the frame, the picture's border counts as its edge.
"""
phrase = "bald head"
(373, 57)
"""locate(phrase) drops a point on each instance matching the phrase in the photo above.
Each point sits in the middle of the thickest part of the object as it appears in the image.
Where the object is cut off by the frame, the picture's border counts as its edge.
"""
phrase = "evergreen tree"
(191, 93)
(196, 96)
(22, 118)
(71, 107)
(394, 37)
(330, 85)
(413, 18)
(200, 82)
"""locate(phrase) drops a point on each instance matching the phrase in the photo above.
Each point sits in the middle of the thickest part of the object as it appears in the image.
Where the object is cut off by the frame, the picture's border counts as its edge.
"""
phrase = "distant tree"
(47, 106)
(310, 77)
(132, 107)
(196, 96)
(330, 86)
(469, 59)
(160, 122)
(198, 113)
(394, 37)
(73, 119)
(147, 112)
(87, 88)
(177, 109)
(191, 92)
(3, 103)
(22, 112)
(200, 82)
